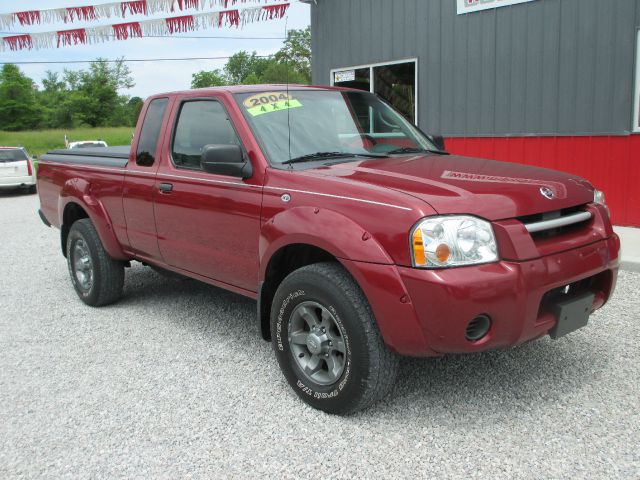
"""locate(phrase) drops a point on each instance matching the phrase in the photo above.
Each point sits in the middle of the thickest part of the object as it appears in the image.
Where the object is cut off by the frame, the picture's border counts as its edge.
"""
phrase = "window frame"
(174, 129)
(636, 101)
(372, 79)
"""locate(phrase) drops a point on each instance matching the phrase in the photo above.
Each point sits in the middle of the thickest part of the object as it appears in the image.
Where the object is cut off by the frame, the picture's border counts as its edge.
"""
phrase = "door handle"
(166, 187)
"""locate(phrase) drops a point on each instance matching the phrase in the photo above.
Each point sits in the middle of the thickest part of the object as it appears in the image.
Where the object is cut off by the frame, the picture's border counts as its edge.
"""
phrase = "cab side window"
(200, 123)
(146, 152)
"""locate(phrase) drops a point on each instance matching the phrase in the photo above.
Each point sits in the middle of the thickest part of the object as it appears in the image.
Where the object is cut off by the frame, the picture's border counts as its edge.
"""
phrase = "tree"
(97, 91)
(83, 97)
(18, 107)
(243, 64)
(52, 101)
(281, 73)
(134, 107)
(296, 52)
(292, 64)
(204, 79)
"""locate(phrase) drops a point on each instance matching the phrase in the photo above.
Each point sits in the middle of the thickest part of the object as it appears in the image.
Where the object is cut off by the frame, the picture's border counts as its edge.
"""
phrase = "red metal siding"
(611, 163)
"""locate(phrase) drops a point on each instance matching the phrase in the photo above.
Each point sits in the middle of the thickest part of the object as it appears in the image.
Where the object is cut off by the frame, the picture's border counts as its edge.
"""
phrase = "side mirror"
(35, 157)
(225, 160)
(438, 141)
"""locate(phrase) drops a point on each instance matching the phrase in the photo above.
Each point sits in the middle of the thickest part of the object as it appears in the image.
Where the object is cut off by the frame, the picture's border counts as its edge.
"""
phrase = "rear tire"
(97, 278)
(32, 189)
(327, 341)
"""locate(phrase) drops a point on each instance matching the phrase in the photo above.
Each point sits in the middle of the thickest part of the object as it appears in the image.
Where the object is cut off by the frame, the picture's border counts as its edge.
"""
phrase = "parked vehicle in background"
(88, 144)
(358, 235)
(16, 169)
(84, 144)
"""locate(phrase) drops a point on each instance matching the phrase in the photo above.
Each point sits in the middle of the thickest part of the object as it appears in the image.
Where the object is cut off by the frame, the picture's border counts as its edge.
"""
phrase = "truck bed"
(107, 156)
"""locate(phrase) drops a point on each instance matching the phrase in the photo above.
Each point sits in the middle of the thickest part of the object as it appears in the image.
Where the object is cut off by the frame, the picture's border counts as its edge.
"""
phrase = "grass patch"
(38, 142)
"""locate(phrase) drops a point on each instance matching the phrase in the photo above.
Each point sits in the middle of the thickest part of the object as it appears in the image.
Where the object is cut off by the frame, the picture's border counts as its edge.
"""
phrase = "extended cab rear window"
(12, 155)
(146, 153)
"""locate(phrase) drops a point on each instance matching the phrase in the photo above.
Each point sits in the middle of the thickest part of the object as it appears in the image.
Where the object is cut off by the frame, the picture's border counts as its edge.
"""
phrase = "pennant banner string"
(156, 27)
(107, 10)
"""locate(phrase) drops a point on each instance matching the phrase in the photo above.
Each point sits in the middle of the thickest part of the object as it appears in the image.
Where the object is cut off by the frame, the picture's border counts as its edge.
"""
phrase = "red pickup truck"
(359, 236)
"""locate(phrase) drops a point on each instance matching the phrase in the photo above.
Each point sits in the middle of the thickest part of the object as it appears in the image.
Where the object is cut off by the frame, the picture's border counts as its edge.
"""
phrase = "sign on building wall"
(468, 6)
(345, 76)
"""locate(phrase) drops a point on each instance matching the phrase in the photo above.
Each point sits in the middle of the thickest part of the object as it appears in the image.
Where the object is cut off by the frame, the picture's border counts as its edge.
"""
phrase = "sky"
(150, 77)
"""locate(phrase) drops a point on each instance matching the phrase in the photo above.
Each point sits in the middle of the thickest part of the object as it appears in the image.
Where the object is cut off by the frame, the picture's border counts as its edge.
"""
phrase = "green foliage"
(291, 64)
(241, 65)
(282, 73)
(38, 142)
(77, 98)
(203, 79)
(18, 107)
(88, 97)
(297, 52)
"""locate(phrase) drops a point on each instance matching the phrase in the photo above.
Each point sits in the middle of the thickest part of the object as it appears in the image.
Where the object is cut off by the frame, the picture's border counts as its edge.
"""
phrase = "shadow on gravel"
(540, 372)
(198, 302)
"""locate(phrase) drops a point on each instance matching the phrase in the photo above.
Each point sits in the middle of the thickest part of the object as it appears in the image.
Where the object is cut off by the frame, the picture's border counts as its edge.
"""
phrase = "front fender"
(363, 257)
(78, 191)
(331, 231)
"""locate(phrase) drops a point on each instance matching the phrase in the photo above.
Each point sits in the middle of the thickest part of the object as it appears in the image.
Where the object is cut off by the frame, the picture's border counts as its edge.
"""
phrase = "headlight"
(452, 241)
(598, 198)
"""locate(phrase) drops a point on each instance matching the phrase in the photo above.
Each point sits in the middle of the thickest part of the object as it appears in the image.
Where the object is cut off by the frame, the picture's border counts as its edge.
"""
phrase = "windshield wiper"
(322, 155)
(415, 150)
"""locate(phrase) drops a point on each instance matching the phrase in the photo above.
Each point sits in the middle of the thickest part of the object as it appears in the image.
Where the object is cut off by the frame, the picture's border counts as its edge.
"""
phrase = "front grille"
(557, 222)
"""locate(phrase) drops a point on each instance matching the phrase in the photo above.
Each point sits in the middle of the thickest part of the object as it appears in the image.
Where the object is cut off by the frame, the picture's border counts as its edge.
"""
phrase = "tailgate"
(14, 169)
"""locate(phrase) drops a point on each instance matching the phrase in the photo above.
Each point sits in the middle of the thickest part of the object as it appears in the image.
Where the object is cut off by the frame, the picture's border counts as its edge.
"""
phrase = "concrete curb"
(630, 266)
(630, 240)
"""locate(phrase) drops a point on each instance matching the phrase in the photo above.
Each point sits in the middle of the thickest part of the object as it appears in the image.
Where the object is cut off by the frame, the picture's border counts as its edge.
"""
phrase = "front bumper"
(16, 182)
(428, 311)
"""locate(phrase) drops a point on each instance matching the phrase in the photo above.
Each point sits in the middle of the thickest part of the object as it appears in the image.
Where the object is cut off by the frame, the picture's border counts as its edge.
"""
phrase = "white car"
(16, 169)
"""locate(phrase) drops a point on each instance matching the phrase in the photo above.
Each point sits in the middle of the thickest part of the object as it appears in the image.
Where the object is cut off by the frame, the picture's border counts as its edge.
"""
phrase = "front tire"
(97, 278)
(327, 341)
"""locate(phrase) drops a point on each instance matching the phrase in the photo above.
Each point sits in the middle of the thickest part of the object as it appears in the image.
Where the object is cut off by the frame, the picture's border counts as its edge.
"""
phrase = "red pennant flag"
(81, 13)
(28, 18)
(231, 16)
(134, 7)
(19, 42)
(182, 24)
(72, 37)
(123, 31)
(183, 4)
(276, 11)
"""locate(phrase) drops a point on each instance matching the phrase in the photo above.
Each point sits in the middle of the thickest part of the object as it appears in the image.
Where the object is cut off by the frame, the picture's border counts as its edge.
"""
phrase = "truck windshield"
(12, 155)
(327, 124)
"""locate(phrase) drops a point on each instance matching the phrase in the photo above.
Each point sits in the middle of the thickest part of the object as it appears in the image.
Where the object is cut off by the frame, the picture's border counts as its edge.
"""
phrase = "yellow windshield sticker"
(268, 102)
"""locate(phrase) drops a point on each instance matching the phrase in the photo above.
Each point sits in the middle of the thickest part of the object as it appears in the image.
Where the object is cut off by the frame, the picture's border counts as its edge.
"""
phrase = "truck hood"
(454, 184)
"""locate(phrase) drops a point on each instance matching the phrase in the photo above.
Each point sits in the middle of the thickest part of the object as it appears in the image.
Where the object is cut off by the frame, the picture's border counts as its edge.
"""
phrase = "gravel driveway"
(174, 381)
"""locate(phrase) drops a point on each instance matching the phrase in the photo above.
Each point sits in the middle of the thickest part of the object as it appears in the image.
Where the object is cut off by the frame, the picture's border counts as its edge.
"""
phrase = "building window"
(636, 109)
(395, 82)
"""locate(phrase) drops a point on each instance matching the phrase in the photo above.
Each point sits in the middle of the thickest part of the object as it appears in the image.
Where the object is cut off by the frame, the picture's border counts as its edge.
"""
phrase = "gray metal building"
(491, 75)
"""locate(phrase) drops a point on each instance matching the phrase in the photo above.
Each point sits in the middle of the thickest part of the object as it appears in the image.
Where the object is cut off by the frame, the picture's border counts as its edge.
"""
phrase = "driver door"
(207, 224)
